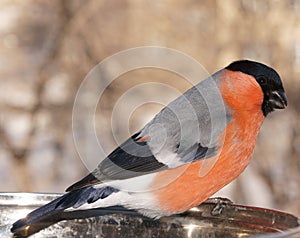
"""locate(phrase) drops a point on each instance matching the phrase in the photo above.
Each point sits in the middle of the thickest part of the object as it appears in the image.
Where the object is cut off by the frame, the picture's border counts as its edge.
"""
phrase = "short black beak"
(278, 99)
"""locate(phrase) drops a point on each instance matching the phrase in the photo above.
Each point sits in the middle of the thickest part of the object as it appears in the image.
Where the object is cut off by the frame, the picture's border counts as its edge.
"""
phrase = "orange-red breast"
(192, 148)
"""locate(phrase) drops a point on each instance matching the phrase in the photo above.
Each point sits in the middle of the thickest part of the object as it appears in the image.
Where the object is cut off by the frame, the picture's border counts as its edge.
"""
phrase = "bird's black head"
(269, 81)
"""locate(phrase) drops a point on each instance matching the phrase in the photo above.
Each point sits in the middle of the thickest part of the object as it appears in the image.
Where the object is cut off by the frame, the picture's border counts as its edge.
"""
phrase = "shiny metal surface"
(214, 218)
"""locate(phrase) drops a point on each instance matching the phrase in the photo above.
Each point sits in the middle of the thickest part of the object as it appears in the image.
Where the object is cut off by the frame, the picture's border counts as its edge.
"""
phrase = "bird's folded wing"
(134, 158)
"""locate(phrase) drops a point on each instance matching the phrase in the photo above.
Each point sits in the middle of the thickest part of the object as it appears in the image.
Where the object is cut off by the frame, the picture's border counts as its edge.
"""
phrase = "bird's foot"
(220, 204)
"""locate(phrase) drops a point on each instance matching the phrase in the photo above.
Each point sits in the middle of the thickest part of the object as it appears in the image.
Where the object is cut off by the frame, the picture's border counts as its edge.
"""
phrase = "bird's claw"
(220, 203)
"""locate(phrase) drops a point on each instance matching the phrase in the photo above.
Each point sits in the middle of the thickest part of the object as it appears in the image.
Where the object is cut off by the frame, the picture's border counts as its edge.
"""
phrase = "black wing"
(134, 158)
(131, 159)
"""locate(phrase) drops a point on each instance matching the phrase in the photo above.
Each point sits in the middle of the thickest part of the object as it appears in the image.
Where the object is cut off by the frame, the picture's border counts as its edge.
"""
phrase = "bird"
(192, 148)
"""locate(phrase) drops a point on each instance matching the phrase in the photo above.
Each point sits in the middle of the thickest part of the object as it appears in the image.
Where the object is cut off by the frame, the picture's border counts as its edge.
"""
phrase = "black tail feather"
(73, 199)
(36, 215)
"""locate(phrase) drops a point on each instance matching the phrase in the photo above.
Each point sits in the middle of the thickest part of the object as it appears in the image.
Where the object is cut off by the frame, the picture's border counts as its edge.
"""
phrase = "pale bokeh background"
(48, 47)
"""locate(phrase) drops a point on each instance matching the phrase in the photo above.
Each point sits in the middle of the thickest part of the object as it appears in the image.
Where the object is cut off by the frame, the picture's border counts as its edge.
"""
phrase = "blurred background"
(48, 47)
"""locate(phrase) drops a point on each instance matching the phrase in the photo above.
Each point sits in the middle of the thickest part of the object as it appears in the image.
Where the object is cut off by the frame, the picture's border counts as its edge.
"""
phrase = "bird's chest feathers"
(240, 138)
(244, 97)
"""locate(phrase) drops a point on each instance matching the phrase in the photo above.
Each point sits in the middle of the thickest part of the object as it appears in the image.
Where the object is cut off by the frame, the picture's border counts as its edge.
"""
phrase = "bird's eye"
(262, 80)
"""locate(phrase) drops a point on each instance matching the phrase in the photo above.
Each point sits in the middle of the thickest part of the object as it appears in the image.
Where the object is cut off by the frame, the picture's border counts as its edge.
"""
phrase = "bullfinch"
(193, 147)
